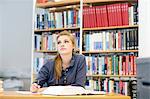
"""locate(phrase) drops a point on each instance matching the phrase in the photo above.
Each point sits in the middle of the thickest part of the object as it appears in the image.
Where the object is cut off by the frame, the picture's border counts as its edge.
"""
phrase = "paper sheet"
(69, 90)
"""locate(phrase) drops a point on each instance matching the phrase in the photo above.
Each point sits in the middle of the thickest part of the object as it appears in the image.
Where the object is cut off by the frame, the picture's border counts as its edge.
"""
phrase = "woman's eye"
(66, 41)
(58, 42)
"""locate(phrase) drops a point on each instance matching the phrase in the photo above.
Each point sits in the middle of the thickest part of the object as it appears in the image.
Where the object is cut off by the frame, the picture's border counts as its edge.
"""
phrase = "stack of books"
(1, 86)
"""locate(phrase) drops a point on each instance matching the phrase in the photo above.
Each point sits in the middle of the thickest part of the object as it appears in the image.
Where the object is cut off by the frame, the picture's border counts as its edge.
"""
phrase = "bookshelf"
(109, 68)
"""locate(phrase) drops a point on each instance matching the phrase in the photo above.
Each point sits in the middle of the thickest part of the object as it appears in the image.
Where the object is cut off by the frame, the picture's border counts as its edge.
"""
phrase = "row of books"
(45, 19)
(102, 16)
(47, 41)
(38, 63)
(111, 65)
(125, 39)
(110, 15)
(101, 65)
(111, 86)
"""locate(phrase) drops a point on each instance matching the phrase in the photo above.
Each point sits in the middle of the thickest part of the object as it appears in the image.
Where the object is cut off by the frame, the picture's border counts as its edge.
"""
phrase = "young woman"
(67, 68)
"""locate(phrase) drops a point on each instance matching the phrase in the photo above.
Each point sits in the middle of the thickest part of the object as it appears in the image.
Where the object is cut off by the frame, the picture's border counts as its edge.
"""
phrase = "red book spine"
(113, 15)
(109, 10)
(127, 65)
(120, 87)
(135, 65)
(91, 17)
(98, 18)
(84, 22)
(125, 16)
(105, 16)
(75, 17)
(131, 65)
(119, 16)
(89, 24)
(94, 16)
(101, 16)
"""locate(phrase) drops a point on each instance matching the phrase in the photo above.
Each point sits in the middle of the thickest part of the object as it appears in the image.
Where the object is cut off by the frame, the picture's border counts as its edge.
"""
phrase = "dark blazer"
(74, 75)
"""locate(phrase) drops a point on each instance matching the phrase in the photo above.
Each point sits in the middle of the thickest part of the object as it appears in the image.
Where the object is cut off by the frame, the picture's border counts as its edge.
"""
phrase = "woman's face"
(64, 45)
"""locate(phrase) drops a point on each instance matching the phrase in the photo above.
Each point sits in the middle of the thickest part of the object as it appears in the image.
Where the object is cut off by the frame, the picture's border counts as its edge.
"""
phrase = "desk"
(15, 95)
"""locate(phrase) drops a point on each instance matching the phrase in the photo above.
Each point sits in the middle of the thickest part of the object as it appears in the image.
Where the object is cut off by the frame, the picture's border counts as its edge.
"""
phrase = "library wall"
(0, 30)
(144, 20)
(16, 37)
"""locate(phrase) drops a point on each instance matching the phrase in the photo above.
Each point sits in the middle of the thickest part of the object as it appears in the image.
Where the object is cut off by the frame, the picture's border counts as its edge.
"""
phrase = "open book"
(69, 90)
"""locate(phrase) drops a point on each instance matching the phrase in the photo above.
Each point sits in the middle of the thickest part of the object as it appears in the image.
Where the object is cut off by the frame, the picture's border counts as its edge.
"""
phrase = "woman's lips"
(62, 48)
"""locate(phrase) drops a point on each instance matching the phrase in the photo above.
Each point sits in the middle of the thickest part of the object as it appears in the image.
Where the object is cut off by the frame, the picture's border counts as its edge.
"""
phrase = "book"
(69, 90)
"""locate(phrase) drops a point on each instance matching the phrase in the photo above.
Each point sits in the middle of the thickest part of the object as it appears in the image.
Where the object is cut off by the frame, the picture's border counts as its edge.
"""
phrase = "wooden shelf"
(76, 7)
(69, 7)
(113, 51)
(51, 4)
(56, 29)
(111, 75)
(107, 1)
(86, 29)
(112, 27)
(58, 4)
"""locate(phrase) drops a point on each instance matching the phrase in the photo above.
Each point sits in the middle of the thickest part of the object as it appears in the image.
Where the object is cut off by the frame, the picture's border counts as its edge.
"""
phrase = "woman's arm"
(40, 80)
(43, 75)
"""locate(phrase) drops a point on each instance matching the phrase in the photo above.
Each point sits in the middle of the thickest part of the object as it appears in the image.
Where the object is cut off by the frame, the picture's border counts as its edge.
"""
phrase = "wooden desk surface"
(15, 95)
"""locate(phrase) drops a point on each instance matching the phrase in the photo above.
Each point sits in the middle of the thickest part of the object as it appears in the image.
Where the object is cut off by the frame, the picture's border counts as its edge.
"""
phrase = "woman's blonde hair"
(58, 60)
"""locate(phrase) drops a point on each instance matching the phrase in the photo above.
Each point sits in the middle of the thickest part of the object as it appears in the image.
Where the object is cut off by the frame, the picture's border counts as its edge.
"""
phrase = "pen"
(38, 84)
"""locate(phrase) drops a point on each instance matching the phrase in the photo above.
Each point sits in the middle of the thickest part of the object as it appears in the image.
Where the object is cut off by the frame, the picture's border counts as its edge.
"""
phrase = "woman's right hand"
(34, 87)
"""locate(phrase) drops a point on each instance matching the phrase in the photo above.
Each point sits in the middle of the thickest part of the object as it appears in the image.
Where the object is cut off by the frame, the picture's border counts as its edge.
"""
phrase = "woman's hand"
(34, 87)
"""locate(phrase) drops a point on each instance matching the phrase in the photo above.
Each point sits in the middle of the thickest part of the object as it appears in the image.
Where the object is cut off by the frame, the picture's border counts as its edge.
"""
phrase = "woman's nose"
(62, 45)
